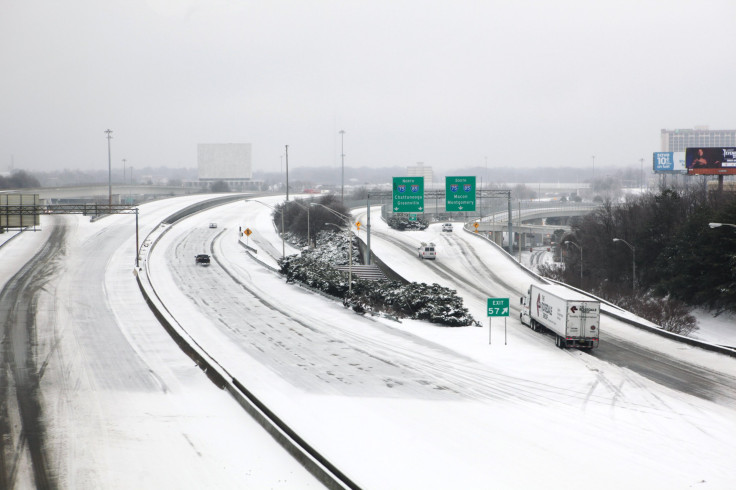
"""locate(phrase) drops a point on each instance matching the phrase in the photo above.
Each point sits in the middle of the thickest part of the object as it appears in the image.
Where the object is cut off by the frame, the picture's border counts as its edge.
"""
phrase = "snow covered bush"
(400, 221)
(315, 268)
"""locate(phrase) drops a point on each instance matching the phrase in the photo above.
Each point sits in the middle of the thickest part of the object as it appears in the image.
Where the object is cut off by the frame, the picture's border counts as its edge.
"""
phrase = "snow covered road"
(117, 404)
(415, 405)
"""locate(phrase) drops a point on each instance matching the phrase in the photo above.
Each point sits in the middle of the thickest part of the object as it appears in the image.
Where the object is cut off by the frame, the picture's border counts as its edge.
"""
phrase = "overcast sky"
(447, 83)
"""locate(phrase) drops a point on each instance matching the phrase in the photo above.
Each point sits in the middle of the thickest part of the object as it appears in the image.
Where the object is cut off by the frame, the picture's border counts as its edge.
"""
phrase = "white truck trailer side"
(573, 318)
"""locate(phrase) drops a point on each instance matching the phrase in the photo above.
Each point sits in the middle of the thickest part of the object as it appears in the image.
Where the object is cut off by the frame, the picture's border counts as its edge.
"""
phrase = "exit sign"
(498, 307)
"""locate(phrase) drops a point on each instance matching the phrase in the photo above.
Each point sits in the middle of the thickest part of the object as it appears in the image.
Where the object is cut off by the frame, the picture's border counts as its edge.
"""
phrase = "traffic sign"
(413, 217)
(460, 193)
(408, 194)
(247, 232)
(498, 307)
(357, 224)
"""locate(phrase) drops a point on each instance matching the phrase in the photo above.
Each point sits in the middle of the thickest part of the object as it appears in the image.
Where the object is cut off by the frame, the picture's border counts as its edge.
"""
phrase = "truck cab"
(524, 316)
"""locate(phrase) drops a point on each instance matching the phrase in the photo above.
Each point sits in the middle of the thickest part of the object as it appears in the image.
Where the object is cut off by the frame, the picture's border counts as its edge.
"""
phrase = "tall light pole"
(109, 168)
(342, 156)
(348, 224)
(123, 171)
(287, 172)
(633, 263)
(568, 242)
(591, 180)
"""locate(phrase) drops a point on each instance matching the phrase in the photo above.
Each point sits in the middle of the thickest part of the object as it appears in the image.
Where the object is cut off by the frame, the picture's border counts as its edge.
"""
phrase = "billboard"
(669, 162)
(224, 161)
(408, 195)
(460, 193)
(11, 214)
(710, 161)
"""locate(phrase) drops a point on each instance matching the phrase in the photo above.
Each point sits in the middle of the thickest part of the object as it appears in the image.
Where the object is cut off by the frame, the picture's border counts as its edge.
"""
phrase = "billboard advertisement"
(669, 162)
(11, 214)
(710, 161)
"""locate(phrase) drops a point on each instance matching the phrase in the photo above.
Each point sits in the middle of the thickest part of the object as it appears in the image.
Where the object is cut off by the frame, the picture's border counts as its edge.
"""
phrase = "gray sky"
(447, 83)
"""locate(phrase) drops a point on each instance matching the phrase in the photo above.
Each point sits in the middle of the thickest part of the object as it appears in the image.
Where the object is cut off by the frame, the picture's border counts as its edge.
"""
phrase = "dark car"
(203, 259)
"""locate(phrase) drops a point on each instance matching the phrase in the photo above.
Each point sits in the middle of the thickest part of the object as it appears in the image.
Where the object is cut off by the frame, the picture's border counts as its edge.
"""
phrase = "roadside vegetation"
(316, 268)
(681, 262)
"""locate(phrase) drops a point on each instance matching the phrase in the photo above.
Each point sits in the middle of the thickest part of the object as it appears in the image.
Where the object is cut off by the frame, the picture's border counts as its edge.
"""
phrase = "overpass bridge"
(530, 220)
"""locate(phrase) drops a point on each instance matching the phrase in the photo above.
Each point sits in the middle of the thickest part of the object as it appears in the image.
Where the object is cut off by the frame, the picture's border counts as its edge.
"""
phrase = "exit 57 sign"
(498, 307)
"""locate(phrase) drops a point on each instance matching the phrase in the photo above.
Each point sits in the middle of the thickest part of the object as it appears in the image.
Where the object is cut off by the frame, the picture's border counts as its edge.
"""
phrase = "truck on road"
(573, 318)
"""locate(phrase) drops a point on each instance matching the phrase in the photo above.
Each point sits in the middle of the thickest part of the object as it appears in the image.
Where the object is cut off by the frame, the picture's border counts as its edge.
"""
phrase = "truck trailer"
(573, 318)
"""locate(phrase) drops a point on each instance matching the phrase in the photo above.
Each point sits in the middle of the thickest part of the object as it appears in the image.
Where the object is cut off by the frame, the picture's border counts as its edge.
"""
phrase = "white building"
(421, 171)
(226, 162)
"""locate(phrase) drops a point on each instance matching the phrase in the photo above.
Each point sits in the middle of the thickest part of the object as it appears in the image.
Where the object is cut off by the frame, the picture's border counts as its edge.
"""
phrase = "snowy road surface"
(104, 398)
(409, 404)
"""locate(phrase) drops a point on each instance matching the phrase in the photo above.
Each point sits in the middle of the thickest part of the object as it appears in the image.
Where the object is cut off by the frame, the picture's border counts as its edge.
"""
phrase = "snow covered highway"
(392, 404)
(444, 396)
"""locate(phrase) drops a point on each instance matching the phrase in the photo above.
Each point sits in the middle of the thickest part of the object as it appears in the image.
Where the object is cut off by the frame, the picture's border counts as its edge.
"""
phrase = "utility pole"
(287, 172)
(342, 155)
(109, 167)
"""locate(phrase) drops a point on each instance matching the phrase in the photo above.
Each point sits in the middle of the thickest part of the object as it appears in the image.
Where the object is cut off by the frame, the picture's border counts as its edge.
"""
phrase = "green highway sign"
(460, 193)
(408, 195)
(498, 307)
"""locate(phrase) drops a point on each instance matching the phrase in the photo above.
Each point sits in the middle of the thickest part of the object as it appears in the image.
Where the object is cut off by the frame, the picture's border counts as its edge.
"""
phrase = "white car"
(426, 251)
(447, 227)
(213, 225)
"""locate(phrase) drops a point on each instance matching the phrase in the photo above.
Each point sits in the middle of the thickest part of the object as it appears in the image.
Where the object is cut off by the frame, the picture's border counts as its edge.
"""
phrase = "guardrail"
(319, 466)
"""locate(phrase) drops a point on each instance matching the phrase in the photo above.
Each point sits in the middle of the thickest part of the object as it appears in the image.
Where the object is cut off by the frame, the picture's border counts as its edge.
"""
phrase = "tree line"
(19, 179)
(657, 248)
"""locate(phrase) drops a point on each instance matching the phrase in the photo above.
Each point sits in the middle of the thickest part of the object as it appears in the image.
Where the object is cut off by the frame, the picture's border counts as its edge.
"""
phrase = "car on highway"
(447, 227)
(213, 225)
(427, 251)
(203, 259)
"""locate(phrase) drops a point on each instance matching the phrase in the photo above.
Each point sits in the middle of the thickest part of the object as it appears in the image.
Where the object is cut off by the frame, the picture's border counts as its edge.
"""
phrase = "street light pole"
(342, 156)
(287, 172)
(633, 263)
(581, 260)
(109, 168)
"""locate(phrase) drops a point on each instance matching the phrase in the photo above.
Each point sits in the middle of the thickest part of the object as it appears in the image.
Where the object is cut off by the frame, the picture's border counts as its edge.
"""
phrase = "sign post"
(408, 195)
(247, 233)
(498, 307)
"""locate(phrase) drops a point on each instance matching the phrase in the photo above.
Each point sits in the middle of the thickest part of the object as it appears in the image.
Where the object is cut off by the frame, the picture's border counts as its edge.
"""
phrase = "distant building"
(229, 163)
(420, 171)
(701, 136)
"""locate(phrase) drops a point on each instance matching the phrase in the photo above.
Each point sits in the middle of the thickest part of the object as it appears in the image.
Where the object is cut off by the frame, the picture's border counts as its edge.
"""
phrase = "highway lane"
(478, 270)
(105, 398)
(349, 374)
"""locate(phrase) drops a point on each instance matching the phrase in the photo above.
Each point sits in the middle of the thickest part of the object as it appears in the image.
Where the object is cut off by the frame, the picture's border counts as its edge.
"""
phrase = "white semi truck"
(573, 318)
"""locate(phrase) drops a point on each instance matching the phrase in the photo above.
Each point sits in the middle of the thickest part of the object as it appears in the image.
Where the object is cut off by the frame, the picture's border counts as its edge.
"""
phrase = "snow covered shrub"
(432, 303)
(400, 221)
